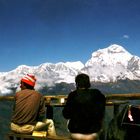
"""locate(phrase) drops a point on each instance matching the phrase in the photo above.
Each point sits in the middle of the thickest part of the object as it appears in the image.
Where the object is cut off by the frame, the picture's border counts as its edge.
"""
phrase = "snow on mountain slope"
(110, 56)
(134, 66)
(109, 64)
(47, 74)
(105, 65)
(77, 65)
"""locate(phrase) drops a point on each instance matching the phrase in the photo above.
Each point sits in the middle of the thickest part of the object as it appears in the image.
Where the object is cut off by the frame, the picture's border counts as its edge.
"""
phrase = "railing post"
(49, 112)
(116, 109)
(49, 109)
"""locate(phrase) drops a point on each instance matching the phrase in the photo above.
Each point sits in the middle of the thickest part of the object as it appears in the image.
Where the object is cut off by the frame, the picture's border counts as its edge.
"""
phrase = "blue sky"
(33, 32)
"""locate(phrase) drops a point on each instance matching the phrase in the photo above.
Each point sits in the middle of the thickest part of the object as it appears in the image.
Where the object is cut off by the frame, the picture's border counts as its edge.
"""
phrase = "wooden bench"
(15, 136)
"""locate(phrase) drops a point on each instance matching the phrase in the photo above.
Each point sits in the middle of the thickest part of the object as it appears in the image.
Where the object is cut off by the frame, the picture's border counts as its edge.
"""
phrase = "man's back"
(27, 105)
(29, 110)
(85, 109)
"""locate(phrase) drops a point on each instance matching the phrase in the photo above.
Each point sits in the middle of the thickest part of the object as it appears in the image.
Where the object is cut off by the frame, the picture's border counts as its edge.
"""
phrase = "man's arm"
(68, 109)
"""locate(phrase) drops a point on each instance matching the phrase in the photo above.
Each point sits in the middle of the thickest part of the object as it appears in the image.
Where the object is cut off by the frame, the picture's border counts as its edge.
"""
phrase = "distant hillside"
(120, 86)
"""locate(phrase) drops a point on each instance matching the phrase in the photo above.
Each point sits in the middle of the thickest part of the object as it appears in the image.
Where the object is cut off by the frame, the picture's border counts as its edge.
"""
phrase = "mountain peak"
(109, 64)
(114, 48)
(110, 56)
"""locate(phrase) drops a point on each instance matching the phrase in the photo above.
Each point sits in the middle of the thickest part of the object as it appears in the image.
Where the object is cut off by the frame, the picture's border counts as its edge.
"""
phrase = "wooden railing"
(120, 96)
(127, 96)
(114, 100)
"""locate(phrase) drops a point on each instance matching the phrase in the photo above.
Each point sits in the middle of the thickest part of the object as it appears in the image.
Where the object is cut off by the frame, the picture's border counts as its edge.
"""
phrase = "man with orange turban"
(29, 109)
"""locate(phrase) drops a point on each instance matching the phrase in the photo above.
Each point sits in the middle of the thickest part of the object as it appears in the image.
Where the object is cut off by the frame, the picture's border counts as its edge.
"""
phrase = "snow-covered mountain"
(47, 74)
(111, 64)
(105, 65)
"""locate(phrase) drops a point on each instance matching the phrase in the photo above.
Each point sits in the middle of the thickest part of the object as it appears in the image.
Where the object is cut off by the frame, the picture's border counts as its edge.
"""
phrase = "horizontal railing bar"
(114, 100)
(8, 98)
(126, 96)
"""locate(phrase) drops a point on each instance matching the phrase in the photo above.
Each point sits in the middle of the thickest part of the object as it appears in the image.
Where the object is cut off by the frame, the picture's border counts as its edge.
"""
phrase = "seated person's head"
(28, 82)
(82, 81)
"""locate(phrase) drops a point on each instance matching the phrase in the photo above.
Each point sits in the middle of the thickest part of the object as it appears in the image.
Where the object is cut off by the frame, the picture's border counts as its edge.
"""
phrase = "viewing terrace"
(113, 101)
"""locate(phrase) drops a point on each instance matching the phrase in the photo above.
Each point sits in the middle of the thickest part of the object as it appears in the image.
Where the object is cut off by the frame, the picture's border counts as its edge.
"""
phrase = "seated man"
(29, 109)
(85, 110)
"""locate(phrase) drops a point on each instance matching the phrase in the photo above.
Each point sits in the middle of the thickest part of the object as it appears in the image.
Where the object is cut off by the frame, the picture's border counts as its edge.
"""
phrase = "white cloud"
(126, 36)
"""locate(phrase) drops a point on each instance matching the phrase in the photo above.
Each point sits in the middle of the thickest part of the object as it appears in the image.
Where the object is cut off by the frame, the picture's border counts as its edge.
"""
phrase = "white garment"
(24, 129)
(46, 125)
(78, 136)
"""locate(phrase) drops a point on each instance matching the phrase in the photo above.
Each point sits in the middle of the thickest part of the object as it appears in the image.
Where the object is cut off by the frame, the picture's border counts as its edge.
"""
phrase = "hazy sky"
(33, 32)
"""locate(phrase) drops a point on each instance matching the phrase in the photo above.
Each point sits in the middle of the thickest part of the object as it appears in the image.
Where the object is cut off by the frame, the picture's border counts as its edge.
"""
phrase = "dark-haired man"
(85, 110)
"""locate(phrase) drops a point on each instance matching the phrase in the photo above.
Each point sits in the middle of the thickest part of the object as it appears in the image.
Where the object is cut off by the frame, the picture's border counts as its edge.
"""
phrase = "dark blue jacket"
(85, 110)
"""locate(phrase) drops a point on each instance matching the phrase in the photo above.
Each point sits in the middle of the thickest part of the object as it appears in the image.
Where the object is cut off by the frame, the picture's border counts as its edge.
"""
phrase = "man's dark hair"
(82, 81)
